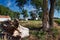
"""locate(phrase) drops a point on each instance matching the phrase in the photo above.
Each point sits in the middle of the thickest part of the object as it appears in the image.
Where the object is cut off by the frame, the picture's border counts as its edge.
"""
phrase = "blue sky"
(12, 5)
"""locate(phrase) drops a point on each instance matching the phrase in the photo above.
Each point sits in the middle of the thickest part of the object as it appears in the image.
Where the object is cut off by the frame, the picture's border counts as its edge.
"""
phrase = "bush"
(57, 21)
(39, 34)
(42, 35)
(55, 31)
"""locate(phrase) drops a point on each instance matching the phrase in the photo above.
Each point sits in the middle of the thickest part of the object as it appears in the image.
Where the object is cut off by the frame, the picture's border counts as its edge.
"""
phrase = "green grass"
(57, 21)
(42, 35)
(39, 34)
(31, 23)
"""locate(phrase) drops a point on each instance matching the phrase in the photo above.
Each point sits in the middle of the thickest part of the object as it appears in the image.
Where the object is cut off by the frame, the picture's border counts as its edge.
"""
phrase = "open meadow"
(37, 34)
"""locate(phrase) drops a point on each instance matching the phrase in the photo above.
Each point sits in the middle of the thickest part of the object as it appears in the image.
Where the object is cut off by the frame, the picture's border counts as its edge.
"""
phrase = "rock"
(24, 32)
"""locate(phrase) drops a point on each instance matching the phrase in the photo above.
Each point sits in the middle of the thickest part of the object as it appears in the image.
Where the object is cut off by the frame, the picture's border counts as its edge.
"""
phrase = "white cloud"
(8, 3)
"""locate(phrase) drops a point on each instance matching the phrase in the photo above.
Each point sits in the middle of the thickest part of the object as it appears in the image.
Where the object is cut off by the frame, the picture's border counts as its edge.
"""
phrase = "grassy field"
(31, 23)
(40, 35)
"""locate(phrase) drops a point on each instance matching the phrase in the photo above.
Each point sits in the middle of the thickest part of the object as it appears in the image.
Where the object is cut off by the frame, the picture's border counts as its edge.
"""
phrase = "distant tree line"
(6, 11)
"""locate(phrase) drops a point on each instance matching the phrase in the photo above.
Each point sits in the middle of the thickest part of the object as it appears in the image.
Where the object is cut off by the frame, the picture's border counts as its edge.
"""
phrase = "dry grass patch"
(31, 23)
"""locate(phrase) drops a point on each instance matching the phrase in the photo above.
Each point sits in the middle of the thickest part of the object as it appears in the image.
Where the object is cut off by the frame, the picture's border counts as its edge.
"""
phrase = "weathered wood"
(14, 31)
(45, 20)
(8, 28)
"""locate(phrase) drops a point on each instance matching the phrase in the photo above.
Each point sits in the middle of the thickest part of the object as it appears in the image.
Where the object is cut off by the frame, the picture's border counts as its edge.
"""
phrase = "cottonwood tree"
(47, 20)
(51, 12)
(47, 15)
(54, 4)
(43, 4)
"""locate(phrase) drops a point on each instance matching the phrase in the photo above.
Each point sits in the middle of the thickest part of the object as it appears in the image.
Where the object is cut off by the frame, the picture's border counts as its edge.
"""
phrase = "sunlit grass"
(31, 23)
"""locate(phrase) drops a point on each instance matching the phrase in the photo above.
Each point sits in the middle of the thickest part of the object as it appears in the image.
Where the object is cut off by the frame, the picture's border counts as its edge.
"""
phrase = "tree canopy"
(57, 6)
(21, 3)
(37, 4)
(33, 15)
(24, 13)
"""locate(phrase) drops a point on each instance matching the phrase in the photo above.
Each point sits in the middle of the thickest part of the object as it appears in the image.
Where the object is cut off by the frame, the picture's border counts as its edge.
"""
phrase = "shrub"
(43, 35)
(39, 34)
(55, 31)
(57, 21)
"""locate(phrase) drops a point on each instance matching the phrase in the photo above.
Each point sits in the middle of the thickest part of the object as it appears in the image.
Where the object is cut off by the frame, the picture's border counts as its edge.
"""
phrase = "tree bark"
(51, 17)
(51, 12)
(45, 20)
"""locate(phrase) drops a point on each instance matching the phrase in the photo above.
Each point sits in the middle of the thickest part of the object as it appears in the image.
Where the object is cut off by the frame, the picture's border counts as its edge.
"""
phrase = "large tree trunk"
(45, 20)
(51, 17)
(51, 12)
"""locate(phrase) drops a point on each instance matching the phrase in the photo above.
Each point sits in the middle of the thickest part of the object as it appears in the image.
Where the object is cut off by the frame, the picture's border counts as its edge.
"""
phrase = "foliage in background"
(40, 15)
(33, 15)
(21, 3)
(24, 13)
(6, 11)
(57, 6)
(57, 21)
(37, 4)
